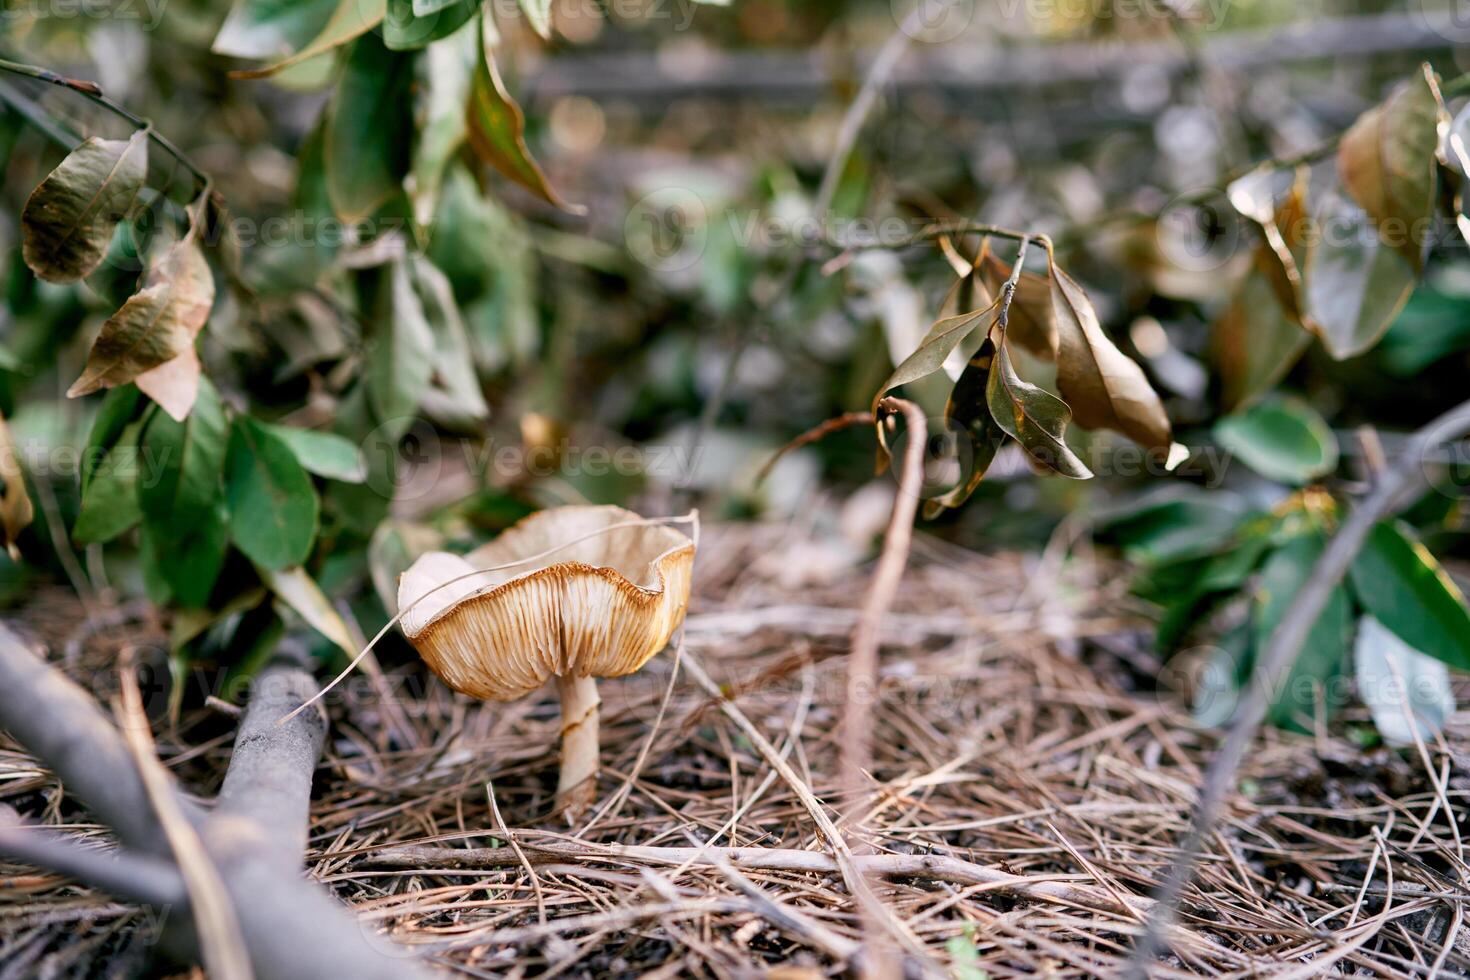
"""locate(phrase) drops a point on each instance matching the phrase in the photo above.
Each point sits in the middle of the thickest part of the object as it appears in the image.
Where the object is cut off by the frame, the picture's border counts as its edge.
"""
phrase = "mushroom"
(574, 593)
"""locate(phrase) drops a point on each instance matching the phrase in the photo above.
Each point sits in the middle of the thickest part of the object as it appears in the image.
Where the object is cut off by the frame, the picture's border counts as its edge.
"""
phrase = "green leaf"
(294, 587)
(69, 219)
(1355, 285)
(351, 19)
(440, 96)
(369, 130)
(362, 506)
(498, 299)
(1283, 439)
(1403, 586)
(273, 506)
(965, 960)
(119, 407)
(538, 12)
(271, 28)
(1209, 578)
(314, 237)
(182, 463)
(1388, 164)
(400, 352)
(1308, 686)
(968, 413)
(188, 557)
(110, 497)
(455, 399)
(404, 28)
(1034, 417)
(1161, 531)
(497, 132)
(1405, 690)
(323, 453)
(1433, 325)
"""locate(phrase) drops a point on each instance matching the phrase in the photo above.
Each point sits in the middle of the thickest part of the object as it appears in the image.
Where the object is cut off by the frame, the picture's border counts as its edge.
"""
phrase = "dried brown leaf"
(16, 512)
(156, 324)
(69, 218)
(1388, 165)
(1103, 386)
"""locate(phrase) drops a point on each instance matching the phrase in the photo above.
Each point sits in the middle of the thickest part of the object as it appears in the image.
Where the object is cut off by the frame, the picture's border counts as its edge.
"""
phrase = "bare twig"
(1277, 658)
(937, 867)
(61, 724)
(815, 434)
(221, 943)
(862, 668)
(131, 876)
(840, 948)
(93, 91)
(292, 927)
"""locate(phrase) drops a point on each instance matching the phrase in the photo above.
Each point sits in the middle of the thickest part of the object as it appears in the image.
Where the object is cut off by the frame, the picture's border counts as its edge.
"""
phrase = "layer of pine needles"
(1018, 726)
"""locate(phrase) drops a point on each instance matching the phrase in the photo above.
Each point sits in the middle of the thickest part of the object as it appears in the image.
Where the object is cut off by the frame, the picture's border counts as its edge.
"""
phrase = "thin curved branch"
(93, 91)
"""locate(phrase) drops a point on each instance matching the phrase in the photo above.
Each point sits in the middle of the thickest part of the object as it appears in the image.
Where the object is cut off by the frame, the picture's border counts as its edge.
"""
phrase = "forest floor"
(1031, 786)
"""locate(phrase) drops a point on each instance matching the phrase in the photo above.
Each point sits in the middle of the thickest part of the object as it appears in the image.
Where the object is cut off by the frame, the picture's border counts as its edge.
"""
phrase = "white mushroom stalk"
(573, 593)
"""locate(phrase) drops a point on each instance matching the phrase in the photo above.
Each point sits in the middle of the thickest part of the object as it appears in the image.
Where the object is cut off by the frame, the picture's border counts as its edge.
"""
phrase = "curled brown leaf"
(1103, 386)
(156, 324)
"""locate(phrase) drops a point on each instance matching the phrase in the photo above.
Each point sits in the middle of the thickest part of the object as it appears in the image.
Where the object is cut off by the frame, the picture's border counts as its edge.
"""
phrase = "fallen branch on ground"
(935, 866)
(291, 927)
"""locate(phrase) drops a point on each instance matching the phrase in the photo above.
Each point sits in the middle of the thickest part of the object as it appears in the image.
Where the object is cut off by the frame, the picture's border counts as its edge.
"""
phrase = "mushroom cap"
(600, 606)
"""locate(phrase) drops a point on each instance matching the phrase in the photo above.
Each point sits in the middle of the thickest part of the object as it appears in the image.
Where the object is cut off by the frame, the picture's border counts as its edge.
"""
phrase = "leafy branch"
(93, 92)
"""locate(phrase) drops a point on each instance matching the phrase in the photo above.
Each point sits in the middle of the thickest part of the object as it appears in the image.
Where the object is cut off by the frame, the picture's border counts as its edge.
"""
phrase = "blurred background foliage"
(682, 129)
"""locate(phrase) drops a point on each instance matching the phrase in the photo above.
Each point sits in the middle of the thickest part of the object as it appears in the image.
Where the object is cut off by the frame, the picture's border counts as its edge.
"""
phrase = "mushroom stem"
(580, 752)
